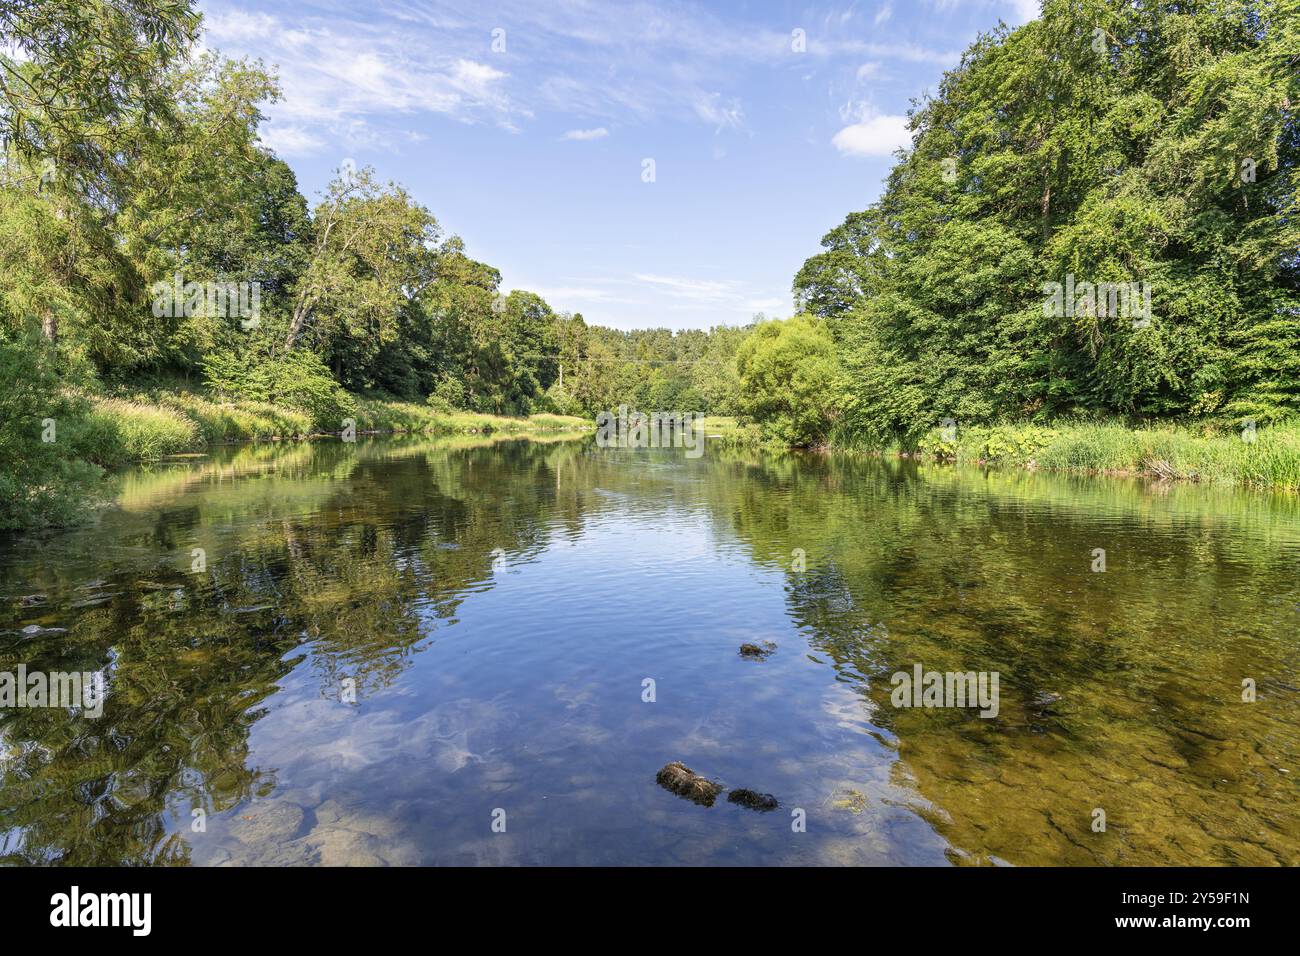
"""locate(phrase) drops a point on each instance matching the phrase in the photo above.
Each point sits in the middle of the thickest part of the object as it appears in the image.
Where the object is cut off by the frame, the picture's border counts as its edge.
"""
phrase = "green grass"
(114, 431)
(1172, 451)
(728, 432)
(221, 422)
(382, 416)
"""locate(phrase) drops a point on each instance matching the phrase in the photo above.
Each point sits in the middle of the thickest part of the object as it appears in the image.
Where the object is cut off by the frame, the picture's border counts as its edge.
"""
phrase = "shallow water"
(498, 607)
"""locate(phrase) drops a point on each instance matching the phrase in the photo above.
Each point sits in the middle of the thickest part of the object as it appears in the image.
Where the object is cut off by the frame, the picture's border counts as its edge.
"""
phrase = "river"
(461, 652)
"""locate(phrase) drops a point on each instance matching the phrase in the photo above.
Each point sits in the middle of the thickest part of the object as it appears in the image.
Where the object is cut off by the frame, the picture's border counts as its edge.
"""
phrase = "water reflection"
(387, 642)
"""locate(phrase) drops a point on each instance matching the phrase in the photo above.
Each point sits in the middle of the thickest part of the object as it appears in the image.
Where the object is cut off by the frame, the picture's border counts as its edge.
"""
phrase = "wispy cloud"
(575, 296)
(288, 141)
(697, 290)
(654, 294)
(719, 113)
(584, 134)
(340, 79)
(724, 294)
(1027, 10)
(359, 77)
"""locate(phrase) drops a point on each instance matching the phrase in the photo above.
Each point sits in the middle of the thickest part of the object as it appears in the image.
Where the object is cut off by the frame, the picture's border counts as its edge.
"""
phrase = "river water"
(465, 651)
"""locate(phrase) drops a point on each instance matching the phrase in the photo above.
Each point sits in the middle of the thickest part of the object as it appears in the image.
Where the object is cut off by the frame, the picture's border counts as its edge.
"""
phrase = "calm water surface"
(498, 606)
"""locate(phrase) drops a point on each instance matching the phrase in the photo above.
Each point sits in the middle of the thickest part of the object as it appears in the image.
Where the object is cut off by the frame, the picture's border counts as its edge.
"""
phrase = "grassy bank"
(114, 431)
(51, 475)
(1270, 458)
(730, 433)
(383, 416)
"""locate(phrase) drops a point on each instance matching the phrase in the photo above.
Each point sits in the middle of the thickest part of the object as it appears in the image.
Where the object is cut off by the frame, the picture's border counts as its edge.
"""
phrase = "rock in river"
(270, 822)
(753, 800)
(685, 782)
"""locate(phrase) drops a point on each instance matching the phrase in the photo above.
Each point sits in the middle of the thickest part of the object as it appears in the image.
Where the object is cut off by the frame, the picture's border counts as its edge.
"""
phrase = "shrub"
(297, 379)
(788, 380)
(41, 482)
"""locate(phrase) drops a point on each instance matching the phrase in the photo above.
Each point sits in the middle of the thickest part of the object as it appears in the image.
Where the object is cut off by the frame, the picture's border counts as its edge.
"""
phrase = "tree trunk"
(49, 321)
(1047, 211)
(295, 327)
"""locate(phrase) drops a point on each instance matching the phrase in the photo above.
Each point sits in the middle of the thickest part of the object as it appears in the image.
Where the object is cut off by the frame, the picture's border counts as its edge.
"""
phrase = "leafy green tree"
(372, 250)
(212, 205)
(788, 380)
(1111, 142)
(91, 77)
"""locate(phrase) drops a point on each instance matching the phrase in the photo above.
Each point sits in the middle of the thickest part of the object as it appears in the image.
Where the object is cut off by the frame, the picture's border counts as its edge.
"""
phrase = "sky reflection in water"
(519, 686)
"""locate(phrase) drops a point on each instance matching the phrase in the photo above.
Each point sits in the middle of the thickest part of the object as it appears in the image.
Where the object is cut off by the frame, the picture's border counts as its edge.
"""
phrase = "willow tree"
(77, 81)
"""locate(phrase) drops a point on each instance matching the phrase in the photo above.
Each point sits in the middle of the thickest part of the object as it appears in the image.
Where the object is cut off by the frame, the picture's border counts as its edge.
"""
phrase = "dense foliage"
(1110, 141)
(147, 237)
(1140, 156)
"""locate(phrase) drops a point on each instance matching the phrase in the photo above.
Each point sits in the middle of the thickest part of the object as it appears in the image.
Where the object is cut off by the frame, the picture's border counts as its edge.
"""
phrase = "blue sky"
(524, 126)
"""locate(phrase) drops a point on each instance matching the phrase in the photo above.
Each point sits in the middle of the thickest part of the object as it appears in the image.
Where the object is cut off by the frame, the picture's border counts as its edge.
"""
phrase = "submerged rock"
(753, 800)
(270, 822)
(1044, 702)
(854, 801)
(341, 847)
(685, 782)
(757, 652)
(35, 630)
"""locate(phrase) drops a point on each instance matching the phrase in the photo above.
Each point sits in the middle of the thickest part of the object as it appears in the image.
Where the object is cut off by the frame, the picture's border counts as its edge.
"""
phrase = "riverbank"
(57, 481)
(115, 431)
(1268, 457)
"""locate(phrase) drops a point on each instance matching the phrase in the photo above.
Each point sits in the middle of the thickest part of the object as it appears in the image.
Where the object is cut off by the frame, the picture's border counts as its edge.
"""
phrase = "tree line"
(130, 160)
(1096, 219)
(1108, 146)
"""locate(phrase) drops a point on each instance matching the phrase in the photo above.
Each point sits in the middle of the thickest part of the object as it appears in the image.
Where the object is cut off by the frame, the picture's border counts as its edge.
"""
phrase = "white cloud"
(288, 140)
(697, 290)
(873, 136)
(341, 80)
(476, 80)
(630, 301)
(638, 62)
(1026, 10)
(1021, 11)
(14, 52)
(710, 108)
(235, 25)
(579, 294)
(584, 134)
